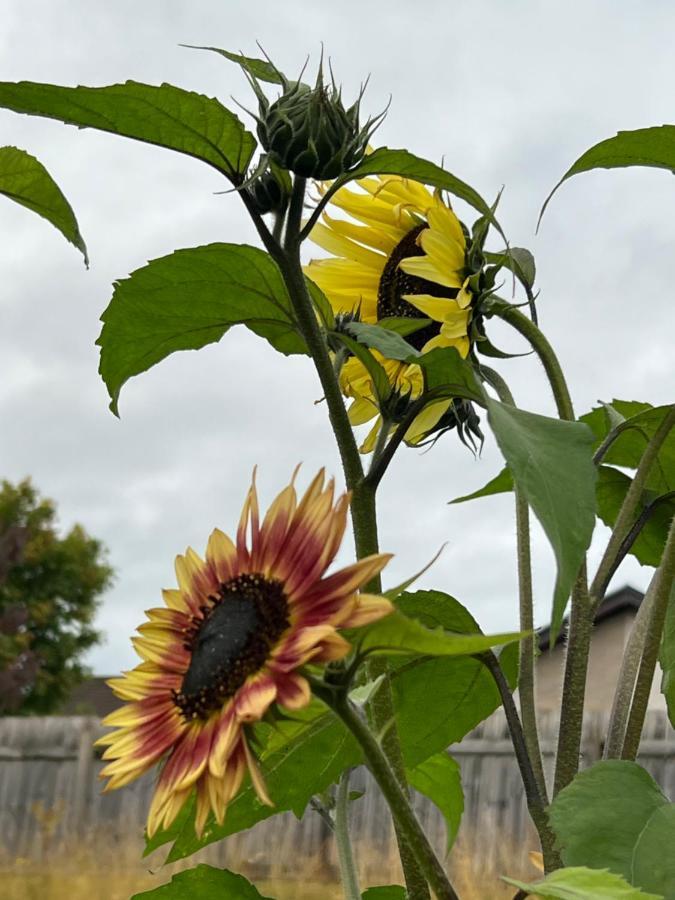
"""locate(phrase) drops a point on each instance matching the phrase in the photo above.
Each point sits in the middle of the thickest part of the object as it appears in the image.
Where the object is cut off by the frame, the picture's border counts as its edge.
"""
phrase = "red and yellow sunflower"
(229, 643)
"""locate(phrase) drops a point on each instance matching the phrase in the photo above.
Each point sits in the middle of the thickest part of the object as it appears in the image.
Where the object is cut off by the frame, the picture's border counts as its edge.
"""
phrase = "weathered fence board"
(49, 792)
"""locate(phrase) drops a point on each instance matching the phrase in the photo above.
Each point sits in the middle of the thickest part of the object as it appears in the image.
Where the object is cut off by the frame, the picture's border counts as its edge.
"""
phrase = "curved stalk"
(364, 520)
(536, 801)
(665, 575)
(629, 509)
(528, 646)
(581, 618)
(349, 877)
(625, 685)
(394, 794)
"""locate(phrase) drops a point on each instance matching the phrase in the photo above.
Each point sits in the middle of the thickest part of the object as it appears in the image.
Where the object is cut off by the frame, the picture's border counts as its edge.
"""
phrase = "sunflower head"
(228, 647)
(310, 132)
(401, 252)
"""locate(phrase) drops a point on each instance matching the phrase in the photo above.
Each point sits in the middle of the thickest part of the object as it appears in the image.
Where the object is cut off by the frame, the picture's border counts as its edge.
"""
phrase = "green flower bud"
(268, 193)
(309, 132)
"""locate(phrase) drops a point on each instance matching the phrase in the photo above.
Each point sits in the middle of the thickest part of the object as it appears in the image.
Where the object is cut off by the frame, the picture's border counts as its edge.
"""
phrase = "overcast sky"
(507, 93)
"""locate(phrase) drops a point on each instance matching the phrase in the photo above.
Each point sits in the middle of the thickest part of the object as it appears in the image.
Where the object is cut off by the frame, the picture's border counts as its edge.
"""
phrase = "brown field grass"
(93, 872)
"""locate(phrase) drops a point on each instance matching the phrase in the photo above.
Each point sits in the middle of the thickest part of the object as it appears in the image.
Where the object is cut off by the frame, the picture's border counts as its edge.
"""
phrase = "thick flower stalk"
(229, 643)
(401, 254)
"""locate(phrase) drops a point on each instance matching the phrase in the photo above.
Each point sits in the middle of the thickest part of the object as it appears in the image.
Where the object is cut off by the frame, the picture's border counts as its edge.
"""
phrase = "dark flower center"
(394, 283)
(232, 641)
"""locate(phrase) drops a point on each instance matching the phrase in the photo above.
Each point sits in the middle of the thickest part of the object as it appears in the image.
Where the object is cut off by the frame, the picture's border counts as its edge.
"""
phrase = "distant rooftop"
(626, 598)
(91, 697)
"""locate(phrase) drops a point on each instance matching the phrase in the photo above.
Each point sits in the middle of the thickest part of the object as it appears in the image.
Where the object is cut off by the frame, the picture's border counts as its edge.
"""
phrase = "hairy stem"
(581, 617)
(349, 877)
(536, 801)
(394, 794)
(665, 575)
(528, 646)
(625, 685)
(629, 509)
(544, 351)
(363, 510)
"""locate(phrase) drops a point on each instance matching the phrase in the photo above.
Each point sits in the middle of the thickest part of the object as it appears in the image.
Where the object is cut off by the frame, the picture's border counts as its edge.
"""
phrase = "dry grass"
(104, 869)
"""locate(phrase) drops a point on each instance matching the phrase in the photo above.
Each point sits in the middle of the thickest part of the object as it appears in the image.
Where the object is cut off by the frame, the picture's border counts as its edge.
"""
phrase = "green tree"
(49, 592)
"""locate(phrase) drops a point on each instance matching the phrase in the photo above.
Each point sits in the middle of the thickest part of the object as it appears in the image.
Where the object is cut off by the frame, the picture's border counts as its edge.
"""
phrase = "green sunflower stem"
(398, 802)
(526, 681)
(629, 509)
(581, 618)
(348, 873)
(665, 575)
(364, 520)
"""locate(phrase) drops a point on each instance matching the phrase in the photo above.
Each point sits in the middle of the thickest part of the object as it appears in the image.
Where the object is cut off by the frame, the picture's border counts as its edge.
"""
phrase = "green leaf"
(653, 857)
(598, 818)
(579, 883)
(302, 758)
(259, 68)
(500, 484)
(187, 300)
(381, 385)
(653, 147)
(390, 344)
(386, 161)
(612, 488)
(439, 700)
(447, 374)
(167, 116)
(204, 883)
(27, 182)
(517, 260)
(641, 422)
(321, 303)
(439, 778)
(403, 326)
(397, 633)
(385, 892)
(667, 657)
(552, 462)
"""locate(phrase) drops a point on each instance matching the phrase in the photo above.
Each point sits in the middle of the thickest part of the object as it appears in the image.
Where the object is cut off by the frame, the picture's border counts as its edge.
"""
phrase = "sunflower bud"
(269, 192)
(309, 132)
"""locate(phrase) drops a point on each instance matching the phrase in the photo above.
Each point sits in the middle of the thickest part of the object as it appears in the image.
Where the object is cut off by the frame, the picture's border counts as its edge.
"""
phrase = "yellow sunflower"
(406, 258)
(229, 643)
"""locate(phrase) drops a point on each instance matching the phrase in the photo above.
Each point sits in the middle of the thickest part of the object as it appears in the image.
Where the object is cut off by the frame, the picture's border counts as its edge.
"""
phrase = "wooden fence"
(50, 795)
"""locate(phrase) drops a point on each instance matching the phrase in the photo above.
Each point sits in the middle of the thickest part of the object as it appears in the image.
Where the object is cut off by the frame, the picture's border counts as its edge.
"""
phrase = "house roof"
(626, 598)
(91, 697)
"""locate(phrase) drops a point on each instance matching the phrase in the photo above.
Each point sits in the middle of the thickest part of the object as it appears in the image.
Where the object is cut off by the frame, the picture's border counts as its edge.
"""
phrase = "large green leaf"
(611, 490)
(439, 700)
(397, 633)
(653, 856)
(579, 883)
(667, 658)
(653, 147)
(187, 300)
(439, 778)
(517, 260)
(164, 115)
(27, 182)
(305, 759)
(386, 161)
(388, 342)
(640, 422)
(552, 462)
(598, 818)
(500, 484)
(204, 883)
(447, 374)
